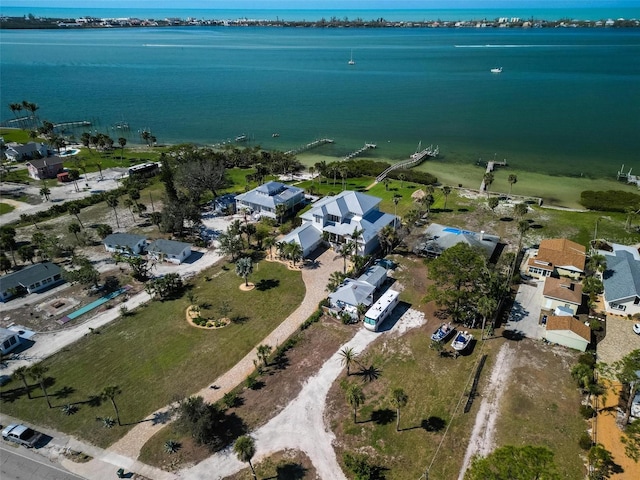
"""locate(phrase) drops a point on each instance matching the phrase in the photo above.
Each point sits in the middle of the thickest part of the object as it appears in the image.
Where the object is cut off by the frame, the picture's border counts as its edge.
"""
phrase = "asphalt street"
(19, 463)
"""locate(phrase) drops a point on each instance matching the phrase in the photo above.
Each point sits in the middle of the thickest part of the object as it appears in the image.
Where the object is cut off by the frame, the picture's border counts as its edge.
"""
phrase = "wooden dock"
(79, 123)
(360, 151)
(415, 159)
(627, 177)
(491, 166)
(309, 146)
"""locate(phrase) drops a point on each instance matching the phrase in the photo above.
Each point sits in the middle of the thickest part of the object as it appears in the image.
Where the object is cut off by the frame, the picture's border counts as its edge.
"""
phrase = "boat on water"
(443, 332)
(241, 138)
(275, 135)
(351, 60)
(496, 70)
(461, 341)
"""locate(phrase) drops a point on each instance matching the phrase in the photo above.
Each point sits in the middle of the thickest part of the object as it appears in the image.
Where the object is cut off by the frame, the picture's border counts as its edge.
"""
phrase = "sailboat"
(351, 60)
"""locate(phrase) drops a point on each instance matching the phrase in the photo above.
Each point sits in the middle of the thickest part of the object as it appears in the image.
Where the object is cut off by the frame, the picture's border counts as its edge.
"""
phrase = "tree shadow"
(514, 335)
(463, 210)
(15, 394)
(369, 374)
(383, 416)
(506, 219)
(267, 284)
(536, 226)
(433, 424)
(161, 418)
(281, 362)
(289, 471)
(239, 319)
(257, 385)
(64, 392)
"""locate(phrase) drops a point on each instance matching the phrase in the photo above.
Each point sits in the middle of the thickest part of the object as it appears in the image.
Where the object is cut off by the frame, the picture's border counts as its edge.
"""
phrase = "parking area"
(524, 317)
(619, 341)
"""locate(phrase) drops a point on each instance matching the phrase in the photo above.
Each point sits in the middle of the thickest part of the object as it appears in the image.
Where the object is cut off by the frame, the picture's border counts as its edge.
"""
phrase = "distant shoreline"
(32, 22)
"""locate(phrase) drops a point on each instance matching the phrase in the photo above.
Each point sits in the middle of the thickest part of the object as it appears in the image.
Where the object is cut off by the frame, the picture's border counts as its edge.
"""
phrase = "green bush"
(610, 200)
(315, 316)
(587, 411)
(585, 441)
(587, 359)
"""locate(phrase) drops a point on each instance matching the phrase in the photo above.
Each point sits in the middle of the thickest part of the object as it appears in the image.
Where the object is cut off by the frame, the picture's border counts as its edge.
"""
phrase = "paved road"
(18, 463)
(525, 314)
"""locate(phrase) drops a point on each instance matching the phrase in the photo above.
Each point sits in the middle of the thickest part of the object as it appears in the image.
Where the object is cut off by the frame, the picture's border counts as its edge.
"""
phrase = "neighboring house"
(169, 250)
(621, 281)
(352, 293)
(438, 238)
(335, 218)
(42, 168)
(562, 294)
(568, 331)
(557, 256)
(307, 236)
(30, 279)
(8, 340)
(17, 152)
(125, 243)
(263, 200)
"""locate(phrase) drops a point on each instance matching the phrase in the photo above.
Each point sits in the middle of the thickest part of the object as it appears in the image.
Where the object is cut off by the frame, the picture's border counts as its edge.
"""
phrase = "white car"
(636, 328)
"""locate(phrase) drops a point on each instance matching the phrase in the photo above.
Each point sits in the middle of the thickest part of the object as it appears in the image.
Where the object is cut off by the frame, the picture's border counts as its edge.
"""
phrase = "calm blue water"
(567, 101)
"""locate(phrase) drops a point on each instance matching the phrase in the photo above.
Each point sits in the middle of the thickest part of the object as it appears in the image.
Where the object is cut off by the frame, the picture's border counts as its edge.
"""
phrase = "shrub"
(251, 382)
(171, 446)
(587, 411)
(230, 399)
(609, 201)
(69, 409)
(585, 441)
(587, 359)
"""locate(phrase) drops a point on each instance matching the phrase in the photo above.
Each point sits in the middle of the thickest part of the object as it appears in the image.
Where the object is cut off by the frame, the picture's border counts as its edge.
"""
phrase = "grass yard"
(540, 406)
(5, 208)
(155, 356)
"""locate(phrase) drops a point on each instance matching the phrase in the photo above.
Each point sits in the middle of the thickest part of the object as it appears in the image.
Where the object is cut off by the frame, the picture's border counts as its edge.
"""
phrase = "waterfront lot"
(155, 356)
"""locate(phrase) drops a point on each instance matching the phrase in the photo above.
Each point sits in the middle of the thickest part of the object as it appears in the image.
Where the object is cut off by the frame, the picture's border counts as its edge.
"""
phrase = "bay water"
(567, 101)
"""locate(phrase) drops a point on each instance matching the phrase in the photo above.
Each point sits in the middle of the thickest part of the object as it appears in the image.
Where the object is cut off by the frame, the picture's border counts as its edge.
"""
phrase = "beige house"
(569, 332)
(557, 256)
(562, 295)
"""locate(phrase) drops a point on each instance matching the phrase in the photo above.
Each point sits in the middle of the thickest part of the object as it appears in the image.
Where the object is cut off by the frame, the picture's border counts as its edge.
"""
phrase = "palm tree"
(45, 192)
(355, 398)
(112, 201)
(399, 400)
(345, 251)
(38, 372)
(513, 178)
(74, 209)
(294, 252)
(387, 236)
(245, 449)
(402, 177)
(597, 263)
(523, 226)
(396, 201)
(269, 243)
(386, 182)
(21, 373)
(344, 170)
(281, 210)
(348, 355)
(312, 170)
(428, 201)
(122, 142)
(488, 180)
(75, 229)
(109, 393)
(355, 235)
(335, 279)
(486, 307)
(244, 268)
(446, 191)
(264, 351)
(520, 210)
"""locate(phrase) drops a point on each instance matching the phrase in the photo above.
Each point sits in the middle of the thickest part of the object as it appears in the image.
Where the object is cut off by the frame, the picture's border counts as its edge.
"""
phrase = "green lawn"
(5, 208)
(15, 135)
(155, 356)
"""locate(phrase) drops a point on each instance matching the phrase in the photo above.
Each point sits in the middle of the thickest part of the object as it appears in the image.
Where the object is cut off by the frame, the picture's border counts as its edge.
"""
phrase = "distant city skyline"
(324, 4)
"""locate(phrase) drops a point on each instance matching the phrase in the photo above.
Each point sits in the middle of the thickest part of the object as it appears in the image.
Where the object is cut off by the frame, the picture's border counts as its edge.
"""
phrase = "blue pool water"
(457, 231)
(96, 303)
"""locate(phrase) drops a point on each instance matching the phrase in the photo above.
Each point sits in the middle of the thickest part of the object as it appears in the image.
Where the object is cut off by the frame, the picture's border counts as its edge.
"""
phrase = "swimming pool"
(92, 305)
(68, 153)
(457, 231)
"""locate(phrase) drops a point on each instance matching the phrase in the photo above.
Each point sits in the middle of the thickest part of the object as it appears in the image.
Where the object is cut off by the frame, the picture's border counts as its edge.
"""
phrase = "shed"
(568, 331)
(124, 243)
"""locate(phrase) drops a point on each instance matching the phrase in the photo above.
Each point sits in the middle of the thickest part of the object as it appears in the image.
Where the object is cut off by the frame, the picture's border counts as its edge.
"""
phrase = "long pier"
(491, 166)
(415, 159)
(309, 146)
(360, 151)
(79, 123)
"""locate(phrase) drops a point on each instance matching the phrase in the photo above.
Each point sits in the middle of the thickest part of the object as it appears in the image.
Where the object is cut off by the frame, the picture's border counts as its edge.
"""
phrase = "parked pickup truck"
(21, 434)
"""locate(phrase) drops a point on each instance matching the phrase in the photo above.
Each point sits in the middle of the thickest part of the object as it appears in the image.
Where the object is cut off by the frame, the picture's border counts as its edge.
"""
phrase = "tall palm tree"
(38, 372)
(387, 237)
(264, 351)
(245, 449)
(75, 229)
(122, 142)
(281, 210)
(513, 178)
(402, 177)
(486, 307)
(523, 226)
(112, 201)
(355, 398)
(446, 191)
(488, 180)
(294, 252)
(21, 373)
(346, 250)
(45, 192)
(269, 243)
(355, 235)
(348, 355)
(399, 399)
(74, 209)
(110, 393)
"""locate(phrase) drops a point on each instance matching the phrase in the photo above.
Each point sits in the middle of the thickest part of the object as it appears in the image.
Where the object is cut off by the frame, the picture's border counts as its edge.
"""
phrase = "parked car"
(21, 435)
(636, 328)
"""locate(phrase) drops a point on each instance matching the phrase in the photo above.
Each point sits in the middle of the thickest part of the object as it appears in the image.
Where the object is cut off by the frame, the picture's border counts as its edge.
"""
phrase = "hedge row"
(610, 200)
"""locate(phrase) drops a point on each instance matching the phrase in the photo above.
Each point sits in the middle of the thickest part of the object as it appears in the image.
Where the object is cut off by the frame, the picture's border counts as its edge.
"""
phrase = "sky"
(322, 4)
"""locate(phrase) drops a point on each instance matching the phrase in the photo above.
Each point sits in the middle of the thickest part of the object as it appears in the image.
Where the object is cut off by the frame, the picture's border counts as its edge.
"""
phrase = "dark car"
(21, 434)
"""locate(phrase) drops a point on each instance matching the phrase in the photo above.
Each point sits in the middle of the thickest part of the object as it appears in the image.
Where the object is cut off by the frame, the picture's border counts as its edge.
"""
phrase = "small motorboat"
(462, 341)
(443, 332)
(496, 70)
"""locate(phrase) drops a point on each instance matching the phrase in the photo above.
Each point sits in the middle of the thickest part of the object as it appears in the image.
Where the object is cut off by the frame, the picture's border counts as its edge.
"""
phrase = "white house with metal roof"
(33, 278)
(336, 218)
(18, 151)
(169, 250)
(8, 340)
(352, 293)
(621, 281)
(263, 200)
(125, 243)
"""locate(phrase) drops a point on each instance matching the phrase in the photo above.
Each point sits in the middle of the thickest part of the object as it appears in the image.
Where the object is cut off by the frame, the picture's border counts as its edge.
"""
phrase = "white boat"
(442, 332)
(462, 341)
(241, 138)
(351, 60)
(496, 70)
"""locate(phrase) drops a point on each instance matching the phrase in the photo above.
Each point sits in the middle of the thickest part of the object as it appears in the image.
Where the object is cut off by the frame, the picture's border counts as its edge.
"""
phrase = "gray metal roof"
(621, 279)
(129, 240)
(374, 275)
(270, 194)
(437, 238)
(168, 247)
(6, 334)
(29, 275)
(306, 235)
(353, 292)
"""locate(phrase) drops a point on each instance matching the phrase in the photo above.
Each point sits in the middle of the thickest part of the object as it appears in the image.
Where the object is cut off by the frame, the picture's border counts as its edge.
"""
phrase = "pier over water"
(309, 146)
(415, 159)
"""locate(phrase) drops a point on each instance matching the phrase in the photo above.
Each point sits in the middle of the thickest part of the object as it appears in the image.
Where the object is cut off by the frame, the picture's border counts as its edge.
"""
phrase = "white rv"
(380, 310)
